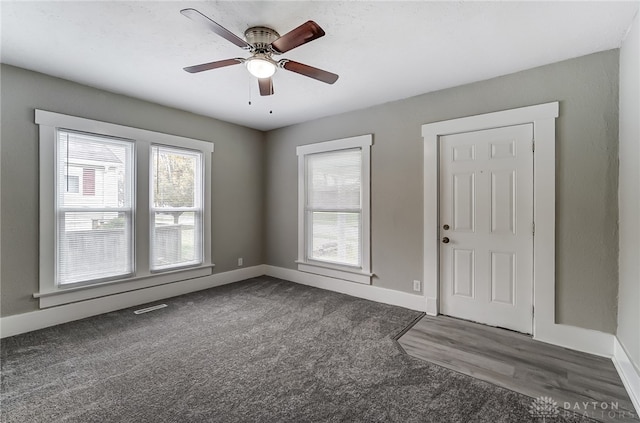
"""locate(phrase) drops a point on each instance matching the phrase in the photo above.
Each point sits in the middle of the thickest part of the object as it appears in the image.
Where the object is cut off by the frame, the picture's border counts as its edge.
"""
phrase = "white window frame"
(360, 274)
(62, 210)
(197, 209)
(49, 293)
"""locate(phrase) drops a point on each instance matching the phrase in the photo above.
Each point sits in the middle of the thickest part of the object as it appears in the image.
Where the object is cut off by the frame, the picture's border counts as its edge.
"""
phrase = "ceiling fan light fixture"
(261, 68)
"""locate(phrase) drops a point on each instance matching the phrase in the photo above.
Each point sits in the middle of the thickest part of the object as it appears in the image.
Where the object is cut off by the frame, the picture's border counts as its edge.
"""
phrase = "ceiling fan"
(263, 43)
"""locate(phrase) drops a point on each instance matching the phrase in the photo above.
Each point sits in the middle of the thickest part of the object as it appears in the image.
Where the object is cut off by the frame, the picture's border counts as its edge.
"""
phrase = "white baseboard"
(572, 337)
(590, 341)
(39, 319)
(628, 373)
(432, 306)
(575, 338)
(368, 292)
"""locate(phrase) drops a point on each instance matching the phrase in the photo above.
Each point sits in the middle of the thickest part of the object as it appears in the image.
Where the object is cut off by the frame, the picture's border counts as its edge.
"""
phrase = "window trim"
(49, 293)
(360, 274)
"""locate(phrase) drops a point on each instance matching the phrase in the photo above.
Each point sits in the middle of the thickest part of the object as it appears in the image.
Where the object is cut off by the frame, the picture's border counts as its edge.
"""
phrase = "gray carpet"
(262, 350)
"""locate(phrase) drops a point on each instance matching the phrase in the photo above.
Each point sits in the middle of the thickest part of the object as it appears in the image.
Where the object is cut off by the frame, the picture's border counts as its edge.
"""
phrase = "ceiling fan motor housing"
(260, 37)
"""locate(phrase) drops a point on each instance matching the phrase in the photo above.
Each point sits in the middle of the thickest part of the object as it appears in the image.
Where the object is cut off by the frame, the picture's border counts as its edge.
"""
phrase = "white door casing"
(543, 117)
(486, 222)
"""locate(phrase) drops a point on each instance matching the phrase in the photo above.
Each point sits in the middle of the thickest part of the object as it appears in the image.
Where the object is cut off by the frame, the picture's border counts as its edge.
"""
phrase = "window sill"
(73, 294)
(352, 275)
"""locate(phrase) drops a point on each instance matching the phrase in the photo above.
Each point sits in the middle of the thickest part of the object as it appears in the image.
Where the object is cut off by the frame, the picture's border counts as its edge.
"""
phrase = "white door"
(486, 226)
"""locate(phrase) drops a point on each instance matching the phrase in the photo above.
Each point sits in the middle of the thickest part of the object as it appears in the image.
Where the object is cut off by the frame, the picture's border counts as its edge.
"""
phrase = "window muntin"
(94, 224)
(176, 207)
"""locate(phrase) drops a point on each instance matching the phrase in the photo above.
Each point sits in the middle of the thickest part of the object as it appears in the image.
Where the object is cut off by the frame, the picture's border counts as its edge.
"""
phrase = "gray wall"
(237, 189)
(629, 289)
(255, 186)
(587, 184)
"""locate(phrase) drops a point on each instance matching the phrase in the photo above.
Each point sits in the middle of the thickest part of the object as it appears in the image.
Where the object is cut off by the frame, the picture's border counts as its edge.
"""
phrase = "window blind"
(334, 207)
(94, 202)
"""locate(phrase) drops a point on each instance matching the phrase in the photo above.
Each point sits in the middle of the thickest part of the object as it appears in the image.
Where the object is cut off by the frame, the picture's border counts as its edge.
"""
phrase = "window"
(94, 234)
(121, 208)
(73, 184)
(88, 181)
(176, 203)
(334, 208)
(334, 212)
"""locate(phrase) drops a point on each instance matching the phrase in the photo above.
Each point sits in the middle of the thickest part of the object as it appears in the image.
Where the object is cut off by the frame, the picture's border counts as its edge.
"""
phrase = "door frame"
(543, 118)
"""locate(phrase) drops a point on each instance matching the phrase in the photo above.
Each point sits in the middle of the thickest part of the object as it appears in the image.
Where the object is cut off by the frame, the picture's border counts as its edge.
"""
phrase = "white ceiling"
(383, 51)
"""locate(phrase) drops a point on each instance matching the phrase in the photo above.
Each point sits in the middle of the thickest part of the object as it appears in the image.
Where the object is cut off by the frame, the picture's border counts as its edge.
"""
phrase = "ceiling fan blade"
(212, 65)
(266, 86)
(196, 16)
(310, 71)
(306, 32)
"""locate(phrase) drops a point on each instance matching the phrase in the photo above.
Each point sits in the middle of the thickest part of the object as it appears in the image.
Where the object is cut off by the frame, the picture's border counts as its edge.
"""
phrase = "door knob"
(445, 240)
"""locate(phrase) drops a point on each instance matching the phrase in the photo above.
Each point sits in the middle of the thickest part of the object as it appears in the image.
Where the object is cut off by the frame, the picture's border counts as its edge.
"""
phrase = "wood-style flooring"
(587, 384)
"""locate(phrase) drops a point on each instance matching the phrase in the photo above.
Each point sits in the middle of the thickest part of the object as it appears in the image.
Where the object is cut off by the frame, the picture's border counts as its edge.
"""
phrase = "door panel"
(503, 207)
(503, 277)
(486, 199)
(463, 201)
(463, 274)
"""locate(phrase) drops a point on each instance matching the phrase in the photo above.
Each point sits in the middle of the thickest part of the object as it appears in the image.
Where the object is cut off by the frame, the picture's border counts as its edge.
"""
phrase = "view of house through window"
(176, 207)
(95, 204)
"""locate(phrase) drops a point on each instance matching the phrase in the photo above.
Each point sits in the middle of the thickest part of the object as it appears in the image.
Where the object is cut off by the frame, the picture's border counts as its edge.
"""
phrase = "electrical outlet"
(240, 261)
(416, 286)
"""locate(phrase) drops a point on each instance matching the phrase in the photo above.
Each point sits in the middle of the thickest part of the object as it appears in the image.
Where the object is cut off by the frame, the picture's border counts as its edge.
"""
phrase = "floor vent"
(148, 309)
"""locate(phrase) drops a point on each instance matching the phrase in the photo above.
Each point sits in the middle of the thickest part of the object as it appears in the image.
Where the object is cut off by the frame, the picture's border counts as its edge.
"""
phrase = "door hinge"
(533, 146)
(533, 311)
(533, 228)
